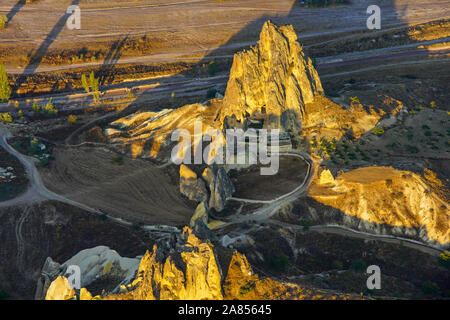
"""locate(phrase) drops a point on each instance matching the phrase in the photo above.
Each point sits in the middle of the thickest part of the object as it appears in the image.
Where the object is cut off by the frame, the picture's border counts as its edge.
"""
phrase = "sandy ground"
(187, 26)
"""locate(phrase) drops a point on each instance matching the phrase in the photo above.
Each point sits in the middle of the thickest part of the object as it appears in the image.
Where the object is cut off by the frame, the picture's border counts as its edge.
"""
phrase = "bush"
(5, 88)
(378, 131)
(36, 107)
(359, 265)
(279, 262)
(3, 21)
(118, 160)
(72, 119)
(430, 288)
(50, 108)
(212, 68)
(444, 259)
(6, 117)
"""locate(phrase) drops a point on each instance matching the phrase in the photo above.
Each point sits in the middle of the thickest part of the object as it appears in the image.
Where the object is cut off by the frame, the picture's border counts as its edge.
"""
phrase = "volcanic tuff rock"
(220, 186)
(94, 263)
(189, 269)
(191, 186)
(276, 76)
(384, 197)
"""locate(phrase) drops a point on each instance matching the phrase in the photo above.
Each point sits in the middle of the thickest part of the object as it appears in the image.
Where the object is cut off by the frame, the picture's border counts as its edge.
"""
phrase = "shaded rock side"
(387, 201)
(192, 187)
(220, 186)
(190, 273)
(190, 270)
(274, 76)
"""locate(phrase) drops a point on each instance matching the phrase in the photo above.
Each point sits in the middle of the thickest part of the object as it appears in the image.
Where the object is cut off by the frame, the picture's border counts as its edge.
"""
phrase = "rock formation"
(274, 77)
(191, 186)
(190, 269)
(220, 186)
(387, 200)
(99, 263)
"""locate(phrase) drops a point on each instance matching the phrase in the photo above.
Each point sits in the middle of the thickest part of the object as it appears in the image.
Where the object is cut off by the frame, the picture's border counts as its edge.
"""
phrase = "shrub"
(6, 117)
(429, 287)
(279, 262)
(50, 108)
(378, 131)
(359, 265)
(444, 259)
(118, 160)
(72, 119)
(3, 21)
(36, 107)
(212, 68)
(5, 88)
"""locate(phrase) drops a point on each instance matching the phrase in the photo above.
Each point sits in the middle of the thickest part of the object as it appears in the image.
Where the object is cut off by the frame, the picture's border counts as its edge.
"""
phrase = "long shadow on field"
(37, 57)
(15, 9)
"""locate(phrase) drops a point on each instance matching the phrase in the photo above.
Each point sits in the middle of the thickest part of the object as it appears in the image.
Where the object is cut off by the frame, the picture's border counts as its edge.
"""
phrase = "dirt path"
(37, 192)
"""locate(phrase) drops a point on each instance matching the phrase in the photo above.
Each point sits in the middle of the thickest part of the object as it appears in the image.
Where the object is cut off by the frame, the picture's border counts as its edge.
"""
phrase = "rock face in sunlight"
(188, 268)
(96, 264)
(274, 77)
(274, 80)
(191, 186)
(384, 197)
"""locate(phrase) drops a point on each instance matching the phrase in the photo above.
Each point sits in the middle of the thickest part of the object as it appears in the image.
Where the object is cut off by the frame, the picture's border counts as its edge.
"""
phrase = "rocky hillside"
(386, 200)
(273, 80)
(274, 77)
(186, 268)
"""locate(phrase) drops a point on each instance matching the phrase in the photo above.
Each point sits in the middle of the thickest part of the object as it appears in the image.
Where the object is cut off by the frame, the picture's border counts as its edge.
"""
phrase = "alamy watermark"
(374, 280)
(74, 20)
(253, 146)
(374, 20)
(73, 275)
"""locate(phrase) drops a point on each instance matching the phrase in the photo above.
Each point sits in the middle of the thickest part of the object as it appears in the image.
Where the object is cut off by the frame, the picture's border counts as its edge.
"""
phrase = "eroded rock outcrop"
(191, 186)
(220, 186)
(274, 77)
(190, 269)
(387, 200)
(95, 264)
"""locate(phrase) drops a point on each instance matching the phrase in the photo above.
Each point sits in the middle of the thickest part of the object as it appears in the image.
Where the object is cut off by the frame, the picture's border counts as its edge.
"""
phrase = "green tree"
(212, 68)
(5, 89)
(6, 117)
(92, 86)
(36, 107)
(3, 21)
(84, 83)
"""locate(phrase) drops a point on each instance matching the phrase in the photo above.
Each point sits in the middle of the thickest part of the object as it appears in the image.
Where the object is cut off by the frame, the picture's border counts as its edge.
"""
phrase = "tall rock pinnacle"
(274, 77)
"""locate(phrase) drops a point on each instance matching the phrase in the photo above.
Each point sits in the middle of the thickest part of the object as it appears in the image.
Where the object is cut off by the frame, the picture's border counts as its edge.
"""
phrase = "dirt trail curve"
(37, 192)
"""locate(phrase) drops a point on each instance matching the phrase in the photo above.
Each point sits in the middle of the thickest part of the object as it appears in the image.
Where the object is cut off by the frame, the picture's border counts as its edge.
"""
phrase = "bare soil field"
(135, 190)
(115, 29)
(250, 184)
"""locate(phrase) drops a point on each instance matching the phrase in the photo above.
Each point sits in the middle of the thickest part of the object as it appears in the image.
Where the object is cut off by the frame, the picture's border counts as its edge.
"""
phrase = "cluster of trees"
(6, 117)
(5, 88)
(91, 86)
